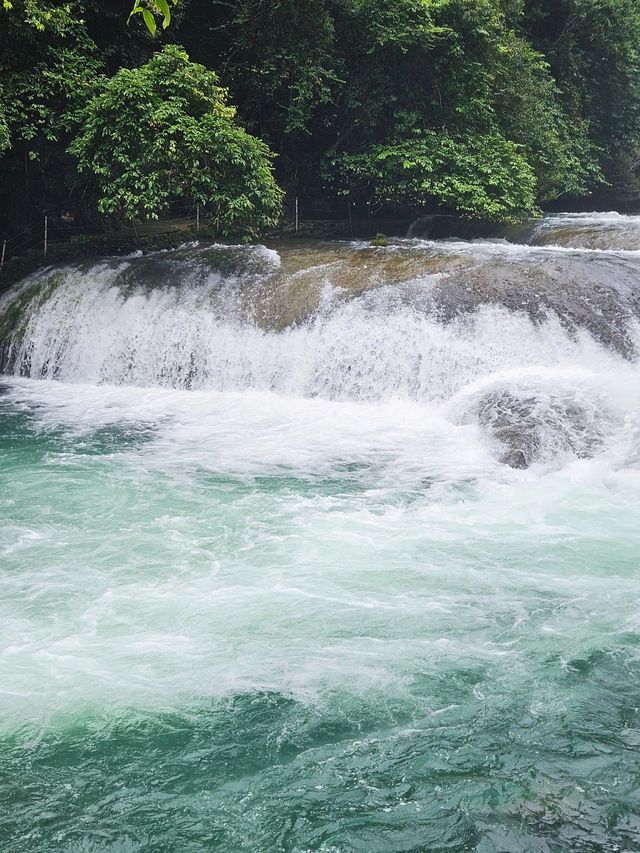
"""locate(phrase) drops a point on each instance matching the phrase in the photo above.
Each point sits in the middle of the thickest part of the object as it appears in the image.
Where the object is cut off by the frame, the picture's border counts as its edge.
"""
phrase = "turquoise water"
(282, 619)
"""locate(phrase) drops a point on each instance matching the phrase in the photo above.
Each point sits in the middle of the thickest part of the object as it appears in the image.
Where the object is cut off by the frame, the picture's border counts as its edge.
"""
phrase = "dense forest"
(486, 108)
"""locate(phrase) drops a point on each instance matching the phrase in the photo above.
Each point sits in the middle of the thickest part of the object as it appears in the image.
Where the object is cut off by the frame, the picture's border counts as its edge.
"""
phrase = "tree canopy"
(487, 108)
(479, 176)
(164, 132)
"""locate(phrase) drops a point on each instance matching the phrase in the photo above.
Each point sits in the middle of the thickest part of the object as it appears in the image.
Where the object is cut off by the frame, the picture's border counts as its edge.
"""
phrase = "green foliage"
(498, 106)
(48, 65)
(164, 132)
(460, 65)
(528, 106)
(41, 15)
(280, 59)
(5, 138)
(150, 9)
(593, 47)
(477, 176)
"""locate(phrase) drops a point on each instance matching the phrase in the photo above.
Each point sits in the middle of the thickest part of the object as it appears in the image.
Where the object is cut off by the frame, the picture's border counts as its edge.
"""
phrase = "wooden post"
(350, 220)
(4, 248)
(197, 219)
(46, 234)
(297, 215)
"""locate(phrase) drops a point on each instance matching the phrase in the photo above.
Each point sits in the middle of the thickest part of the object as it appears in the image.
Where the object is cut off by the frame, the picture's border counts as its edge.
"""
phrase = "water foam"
(268, 583)
(386, 342)
(320, 545)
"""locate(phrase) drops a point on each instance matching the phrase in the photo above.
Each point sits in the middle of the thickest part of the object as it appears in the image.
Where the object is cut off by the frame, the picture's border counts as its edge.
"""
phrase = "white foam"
(321, 511)
(258, 541)
(383, 344)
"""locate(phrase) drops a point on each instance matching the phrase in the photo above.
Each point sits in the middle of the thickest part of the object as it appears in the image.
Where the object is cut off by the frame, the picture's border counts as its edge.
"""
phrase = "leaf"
(136, 8)
(133, 12)
(150, 21)
(163, 7)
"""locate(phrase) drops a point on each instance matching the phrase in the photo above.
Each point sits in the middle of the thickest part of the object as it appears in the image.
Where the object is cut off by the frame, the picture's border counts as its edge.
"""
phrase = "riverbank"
(113, 244)
(126, 241)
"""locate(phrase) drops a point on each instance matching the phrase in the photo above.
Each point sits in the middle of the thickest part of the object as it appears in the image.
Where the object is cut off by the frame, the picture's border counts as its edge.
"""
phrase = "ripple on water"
(309, 609)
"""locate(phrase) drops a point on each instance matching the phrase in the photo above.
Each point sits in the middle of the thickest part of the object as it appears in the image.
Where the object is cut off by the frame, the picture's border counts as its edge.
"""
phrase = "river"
(324, 547)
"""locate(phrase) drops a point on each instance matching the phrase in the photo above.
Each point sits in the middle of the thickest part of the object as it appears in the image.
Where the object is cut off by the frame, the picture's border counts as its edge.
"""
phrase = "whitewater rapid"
(324, 547)
(535, 351)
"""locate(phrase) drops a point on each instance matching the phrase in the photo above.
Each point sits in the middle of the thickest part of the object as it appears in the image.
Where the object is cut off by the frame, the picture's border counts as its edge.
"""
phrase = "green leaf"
(163, 6)
(136, 8)
(150, 21)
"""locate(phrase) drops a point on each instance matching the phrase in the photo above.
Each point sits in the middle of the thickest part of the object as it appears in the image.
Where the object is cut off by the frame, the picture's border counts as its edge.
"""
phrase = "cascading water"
(324, 547)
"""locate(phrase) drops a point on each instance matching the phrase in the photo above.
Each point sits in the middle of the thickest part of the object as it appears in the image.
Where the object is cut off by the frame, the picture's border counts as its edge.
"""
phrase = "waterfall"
(355, 522)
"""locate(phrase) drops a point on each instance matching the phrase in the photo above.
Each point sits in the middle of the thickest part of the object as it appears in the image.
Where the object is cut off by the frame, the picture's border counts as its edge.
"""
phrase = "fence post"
(4, 248)
(46, 234)
(197, 218)
(297, 216)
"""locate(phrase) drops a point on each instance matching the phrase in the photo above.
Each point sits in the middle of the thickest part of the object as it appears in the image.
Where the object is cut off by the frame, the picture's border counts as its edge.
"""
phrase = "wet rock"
(538, 427)
(514, 459)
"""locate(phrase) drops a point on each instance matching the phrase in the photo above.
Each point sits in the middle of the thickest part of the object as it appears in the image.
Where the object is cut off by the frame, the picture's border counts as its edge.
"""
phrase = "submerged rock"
(538, 426)
(515, 459)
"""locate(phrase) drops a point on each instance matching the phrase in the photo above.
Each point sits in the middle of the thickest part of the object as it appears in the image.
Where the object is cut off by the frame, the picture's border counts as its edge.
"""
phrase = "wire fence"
(304, 215)
(299, 216)
(54, 231)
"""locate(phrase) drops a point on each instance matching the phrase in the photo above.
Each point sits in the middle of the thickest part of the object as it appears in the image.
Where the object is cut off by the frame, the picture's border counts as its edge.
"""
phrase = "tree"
(341, 88)
(476, 176)
(48, 66)
(464, 71)
(593, 48)
(280, 62)
(529, 111)
(163, 133)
